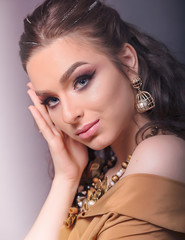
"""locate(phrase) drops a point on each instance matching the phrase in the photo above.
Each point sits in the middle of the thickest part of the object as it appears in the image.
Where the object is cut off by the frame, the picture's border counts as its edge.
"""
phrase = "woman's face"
(85, 94)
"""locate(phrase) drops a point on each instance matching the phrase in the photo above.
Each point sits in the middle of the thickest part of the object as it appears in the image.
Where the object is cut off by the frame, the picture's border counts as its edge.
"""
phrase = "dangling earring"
(144, 100)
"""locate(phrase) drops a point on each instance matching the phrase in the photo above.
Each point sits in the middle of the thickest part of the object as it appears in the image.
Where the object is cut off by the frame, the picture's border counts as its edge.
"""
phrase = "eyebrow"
(64, 77)
(68, 73)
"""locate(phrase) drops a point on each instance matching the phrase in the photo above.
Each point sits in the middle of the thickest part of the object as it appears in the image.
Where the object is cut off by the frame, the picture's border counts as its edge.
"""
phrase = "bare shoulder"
(162, 155)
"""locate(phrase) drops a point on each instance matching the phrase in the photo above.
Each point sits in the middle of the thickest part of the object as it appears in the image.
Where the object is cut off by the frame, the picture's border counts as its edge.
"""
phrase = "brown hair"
(163, 76)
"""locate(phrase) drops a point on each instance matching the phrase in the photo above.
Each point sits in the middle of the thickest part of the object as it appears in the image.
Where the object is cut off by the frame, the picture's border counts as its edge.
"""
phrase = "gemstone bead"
(124, 165)
(73, 210)
(110, 164)
(105, 169)
(96, 180)
(88, 195)
(115, 178)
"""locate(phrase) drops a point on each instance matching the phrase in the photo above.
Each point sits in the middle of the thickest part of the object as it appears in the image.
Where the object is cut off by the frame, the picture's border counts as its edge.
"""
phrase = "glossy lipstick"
(88, 130)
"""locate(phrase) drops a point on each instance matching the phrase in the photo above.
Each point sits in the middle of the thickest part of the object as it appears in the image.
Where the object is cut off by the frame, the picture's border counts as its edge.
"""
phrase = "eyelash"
(48, 101)
(87, 77)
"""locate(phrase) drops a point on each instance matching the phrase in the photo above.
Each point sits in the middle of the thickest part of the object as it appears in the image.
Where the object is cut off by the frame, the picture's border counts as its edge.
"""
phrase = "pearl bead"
(141, 105)
(112, 183)
(91, 203)
(80, 204)
(84, 193)
(120, 173)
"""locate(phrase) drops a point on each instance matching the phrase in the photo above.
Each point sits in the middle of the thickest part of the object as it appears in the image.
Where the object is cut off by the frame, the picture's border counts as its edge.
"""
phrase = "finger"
(36, 100)
(41, 108)
(43, 111)
(29, 85)
(42, 124)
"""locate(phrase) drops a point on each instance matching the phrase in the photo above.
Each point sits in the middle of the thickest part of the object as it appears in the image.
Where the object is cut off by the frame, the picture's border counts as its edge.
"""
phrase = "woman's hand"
(69, 156)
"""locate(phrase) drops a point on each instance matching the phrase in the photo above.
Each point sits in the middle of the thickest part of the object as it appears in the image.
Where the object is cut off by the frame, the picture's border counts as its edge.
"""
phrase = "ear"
(129, 58)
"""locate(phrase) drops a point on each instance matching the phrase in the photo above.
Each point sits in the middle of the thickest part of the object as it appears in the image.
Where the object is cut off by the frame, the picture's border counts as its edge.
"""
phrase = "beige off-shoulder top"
(138, 207)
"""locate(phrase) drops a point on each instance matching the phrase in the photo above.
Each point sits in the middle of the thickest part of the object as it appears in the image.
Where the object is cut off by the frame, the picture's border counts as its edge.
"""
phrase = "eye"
(50, 102)
(82, 81)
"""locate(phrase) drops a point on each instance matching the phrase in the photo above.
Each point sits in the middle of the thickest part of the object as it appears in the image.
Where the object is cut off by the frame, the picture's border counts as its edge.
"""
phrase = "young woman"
(106, 97)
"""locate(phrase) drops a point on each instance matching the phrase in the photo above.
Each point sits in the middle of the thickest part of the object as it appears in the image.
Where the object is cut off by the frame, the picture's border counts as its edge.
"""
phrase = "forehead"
(63, 52)
(68, 47)
(52, 61)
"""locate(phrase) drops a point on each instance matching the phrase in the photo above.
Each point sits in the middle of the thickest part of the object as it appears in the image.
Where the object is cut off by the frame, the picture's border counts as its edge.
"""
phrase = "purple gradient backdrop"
(24, 179)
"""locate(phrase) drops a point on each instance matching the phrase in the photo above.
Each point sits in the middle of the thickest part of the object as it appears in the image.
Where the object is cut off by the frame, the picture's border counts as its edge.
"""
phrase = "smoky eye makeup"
(49, 101)
(83, 79)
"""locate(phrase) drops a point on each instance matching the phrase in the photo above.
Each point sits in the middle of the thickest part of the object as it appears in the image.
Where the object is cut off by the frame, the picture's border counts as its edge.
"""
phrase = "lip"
(88, 130)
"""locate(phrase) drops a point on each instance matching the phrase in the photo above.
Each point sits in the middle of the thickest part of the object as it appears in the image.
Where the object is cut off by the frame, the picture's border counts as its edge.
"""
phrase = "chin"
(97, 148)
(97, 145)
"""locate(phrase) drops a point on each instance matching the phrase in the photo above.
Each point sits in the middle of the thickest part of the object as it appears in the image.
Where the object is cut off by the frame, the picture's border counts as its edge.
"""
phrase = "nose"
(71, 112)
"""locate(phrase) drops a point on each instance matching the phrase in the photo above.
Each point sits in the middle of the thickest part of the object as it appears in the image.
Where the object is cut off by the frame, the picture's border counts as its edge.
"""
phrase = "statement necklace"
(89, 194)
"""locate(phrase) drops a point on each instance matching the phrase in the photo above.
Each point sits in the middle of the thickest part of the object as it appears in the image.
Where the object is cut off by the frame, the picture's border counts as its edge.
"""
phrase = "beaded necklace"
(89, 194)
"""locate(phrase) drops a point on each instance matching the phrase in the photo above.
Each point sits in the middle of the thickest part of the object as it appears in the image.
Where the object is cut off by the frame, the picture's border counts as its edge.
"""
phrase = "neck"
(125, 144)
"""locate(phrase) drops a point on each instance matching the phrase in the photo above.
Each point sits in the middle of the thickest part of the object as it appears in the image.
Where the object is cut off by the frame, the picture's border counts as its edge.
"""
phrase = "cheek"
(101, 93)
(118, 105)
(112, 95)
(56, 118)
(124, 104)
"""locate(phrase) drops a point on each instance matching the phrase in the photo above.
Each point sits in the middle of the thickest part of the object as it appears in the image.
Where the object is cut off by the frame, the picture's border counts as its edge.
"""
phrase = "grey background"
(162, 19)
(24, 156)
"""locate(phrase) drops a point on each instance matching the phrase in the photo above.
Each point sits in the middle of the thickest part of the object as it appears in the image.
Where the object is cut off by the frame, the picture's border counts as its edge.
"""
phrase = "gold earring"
(144, 100)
